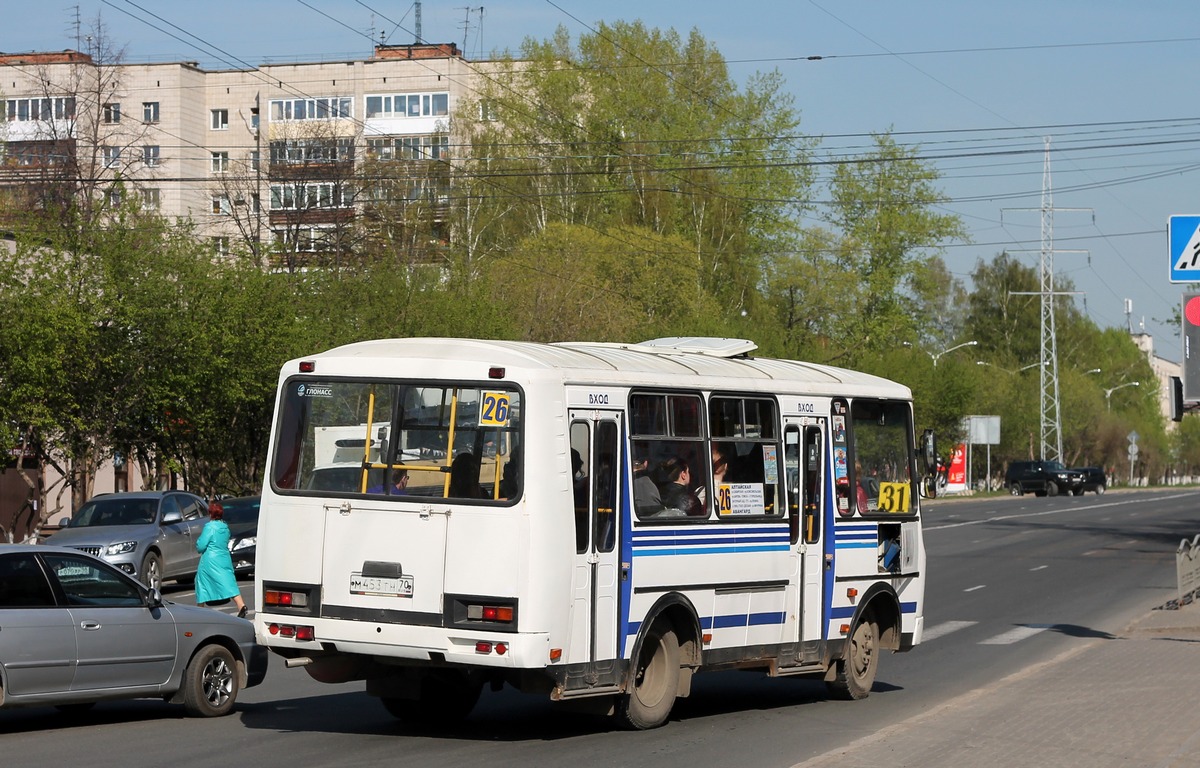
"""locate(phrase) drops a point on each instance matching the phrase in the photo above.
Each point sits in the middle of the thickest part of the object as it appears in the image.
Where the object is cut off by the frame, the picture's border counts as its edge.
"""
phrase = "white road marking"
(1016, 635)
(945, 628)
(1040, 567)
(972, 589)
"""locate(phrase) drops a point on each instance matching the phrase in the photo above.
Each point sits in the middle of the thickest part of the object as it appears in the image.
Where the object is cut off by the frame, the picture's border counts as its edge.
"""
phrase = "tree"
(883, 211)
(631, 127)
(570, 283)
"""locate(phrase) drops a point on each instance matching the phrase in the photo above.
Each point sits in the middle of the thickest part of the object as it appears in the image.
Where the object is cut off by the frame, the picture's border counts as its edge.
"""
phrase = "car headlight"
(120, 549)
(243, 543)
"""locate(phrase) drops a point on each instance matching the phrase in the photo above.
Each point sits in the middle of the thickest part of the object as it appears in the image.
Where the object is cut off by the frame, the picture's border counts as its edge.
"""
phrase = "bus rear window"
(398, 439)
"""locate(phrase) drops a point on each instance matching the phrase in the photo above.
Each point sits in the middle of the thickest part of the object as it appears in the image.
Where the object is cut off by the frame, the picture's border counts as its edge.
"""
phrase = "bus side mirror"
(929, 452)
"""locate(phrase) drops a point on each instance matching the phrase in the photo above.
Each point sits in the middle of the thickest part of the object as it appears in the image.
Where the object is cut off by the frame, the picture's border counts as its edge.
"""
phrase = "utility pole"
(1051, 418)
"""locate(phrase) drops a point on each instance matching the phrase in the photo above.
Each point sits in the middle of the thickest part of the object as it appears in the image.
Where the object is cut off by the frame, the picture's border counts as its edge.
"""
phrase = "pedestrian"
(215, 579)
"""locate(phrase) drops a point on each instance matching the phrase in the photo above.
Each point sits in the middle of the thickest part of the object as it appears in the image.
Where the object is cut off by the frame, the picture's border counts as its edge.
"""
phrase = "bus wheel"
(446, 697)
(856, 672)
(655, 682)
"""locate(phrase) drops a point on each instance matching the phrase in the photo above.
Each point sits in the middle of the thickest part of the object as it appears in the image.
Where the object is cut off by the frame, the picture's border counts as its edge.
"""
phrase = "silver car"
(151, 535)
(75, 630)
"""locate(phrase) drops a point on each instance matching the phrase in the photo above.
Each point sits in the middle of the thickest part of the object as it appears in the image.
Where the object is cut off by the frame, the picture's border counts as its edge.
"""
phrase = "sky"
(978, 88)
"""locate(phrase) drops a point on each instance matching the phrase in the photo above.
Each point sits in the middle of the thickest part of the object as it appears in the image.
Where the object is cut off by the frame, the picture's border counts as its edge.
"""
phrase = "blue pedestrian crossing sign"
(1183, 236)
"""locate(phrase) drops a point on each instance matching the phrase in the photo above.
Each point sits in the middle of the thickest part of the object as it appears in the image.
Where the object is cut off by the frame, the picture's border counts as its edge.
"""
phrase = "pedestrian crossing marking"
(945, 628)
(1016, 634)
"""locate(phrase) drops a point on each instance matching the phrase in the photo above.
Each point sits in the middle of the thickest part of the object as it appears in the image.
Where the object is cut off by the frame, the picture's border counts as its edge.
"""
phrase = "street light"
(936, 356)
(1108, 392)
(1010, 373)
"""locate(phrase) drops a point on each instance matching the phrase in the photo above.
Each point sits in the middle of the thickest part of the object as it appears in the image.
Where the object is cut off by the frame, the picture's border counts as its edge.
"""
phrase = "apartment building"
(281, 157)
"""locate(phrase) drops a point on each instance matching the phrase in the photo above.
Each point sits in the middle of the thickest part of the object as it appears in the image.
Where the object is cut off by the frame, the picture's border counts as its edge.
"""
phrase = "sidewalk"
(1129, 700)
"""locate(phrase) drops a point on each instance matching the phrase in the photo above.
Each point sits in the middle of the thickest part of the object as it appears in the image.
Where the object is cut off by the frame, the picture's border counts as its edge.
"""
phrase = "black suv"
(1094, 479)
(1043, 478)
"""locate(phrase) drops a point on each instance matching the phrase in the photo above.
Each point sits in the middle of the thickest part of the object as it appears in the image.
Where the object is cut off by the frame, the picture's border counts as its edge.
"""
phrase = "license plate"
(401, 586)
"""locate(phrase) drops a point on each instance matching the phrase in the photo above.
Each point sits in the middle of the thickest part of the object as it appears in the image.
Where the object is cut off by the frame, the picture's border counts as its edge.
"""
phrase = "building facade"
(280, 159)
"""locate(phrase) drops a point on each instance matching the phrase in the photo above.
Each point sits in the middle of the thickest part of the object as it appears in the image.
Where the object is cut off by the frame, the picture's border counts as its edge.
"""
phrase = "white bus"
(592, 522)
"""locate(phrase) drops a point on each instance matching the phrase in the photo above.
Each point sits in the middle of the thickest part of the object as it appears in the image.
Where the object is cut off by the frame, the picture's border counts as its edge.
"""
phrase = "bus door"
(595, 459)
(805, 463)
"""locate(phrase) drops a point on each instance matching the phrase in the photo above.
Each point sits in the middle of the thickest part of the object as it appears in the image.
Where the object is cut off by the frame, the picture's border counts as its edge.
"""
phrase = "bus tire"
(446, 697)
(856, 671)
(651, 693)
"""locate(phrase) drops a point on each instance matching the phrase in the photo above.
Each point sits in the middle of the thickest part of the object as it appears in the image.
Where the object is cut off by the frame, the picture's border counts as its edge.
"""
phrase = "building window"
(301, 151)
(255, 159)
(149, 111)
(115, 196)
(409, 105)
(150, 199)
(33, 110)
(112, 156)
(487, 110)
(220, 205)
(255, 202)
(150, 155)
(220, 119)
(286, 197)
(220, 244)
(409, 148)
(325, 108)
(112, 113)
(220, 162)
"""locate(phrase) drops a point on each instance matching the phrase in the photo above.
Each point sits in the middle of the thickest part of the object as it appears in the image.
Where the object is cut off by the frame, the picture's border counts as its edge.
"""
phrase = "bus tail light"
(305, 633)
(308, 366)
(502, 614)
(485, 647)
(285, 599)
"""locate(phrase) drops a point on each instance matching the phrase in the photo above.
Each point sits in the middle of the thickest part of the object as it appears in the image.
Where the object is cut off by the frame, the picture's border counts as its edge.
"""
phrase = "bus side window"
(580, 460)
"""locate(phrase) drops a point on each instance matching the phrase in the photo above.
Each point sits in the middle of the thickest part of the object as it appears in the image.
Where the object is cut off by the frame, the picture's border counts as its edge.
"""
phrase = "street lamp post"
(937, 356)
(1010, 373)
(1108, 392)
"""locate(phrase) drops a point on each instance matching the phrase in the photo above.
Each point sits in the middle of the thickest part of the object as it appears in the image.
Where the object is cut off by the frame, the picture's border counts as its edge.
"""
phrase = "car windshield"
(240, 511)
(1055, 466)
(98, 512)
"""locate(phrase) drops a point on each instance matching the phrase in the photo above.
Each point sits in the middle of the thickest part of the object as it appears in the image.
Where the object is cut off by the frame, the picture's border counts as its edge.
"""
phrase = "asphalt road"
(1012, 582)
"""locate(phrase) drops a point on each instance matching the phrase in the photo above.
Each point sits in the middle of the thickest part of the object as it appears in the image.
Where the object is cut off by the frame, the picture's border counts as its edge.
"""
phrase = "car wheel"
(1099, 488)
(1015, 489)
(152, 570)
(210, 682)
(1051, 489)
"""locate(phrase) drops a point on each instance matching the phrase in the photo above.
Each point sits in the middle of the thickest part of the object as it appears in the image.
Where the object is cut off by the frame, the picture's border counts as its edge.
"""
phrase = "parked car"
(241, 514)
(1042, 478)
(1094, 480)
(150, 535)
(77, 630)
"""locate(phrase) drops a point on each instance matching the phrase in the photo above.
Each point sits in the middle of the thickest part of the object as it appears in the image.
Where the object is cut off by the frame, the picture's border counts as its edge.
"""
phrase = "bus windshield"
(408, 439)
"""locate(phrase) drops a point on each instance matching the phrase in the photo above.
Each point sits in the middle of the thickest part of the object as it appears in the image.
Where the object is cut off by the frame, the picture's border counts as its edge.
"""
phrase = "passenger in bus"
(579, 480)
(675, 480)
(720, 462)
(464, 477)
(510, 485)
(398, 487)
(646, 497)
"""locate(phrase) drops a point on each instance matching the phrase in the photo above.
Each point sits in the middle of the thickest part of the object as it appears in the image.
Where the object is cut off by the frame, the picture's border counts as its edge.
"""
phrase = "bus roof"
(675, 361)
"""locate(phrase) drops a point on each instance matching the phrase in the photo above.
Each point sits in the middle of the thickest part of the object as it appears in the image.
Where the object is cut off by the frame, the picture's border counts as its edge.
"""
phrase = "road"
(1012, 582)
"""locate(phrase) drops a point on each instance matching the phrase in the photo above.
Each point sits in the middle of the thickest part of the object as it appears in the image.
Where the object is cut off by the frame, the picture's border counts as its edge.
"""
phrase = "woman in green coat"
(215, 580)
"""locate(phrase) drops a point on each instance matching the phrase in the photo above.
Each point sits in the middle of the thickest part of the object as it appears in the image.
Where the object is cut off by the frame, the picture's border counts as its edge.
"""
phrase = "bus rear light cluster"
(285, 599)
(291, 630)
(485, 647)
(498, 613)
